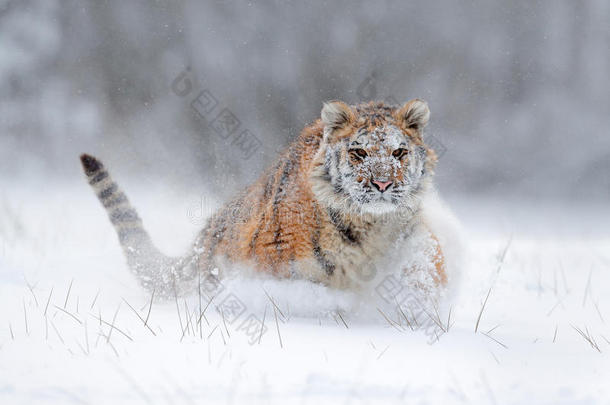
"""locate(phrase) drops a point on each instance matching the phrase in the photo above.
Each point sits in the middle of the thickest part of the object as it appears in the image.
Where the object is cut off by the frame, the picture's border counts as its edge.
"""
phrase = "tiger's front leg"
(439, 273)
(423, 267)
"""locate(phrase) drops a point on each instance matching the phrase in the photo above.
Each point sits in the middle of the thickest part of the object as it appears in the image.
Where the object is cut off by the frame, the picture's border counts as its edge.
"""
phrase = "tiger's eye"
(358, 153)
(399, 153)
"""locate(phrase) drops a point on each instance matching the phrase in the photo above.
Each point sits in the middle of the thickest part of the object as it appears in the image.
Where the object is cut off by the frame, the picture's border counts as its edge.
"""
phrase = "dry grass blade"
(503, 255)
(212, 332)
(274, 304)
(113, 349)
(200, 307)
(68, 313)
(342, 320)
(260, 336)
(588, 337)
(559, 302)
(202, 315)
(388, 320)
(152, 296)
(476, 327)
(495, 340)
(598, 311)
(87, 338)
(31, 288)
(277, 325)
(178, 309)
(414, 317)
(68, 294)
(404, 316)
(25, 316)
(383, 352)
(94, 299)
(434, 318)
(438, 321)
(189, 317)
(48, 301)
(82, 348)
(138, 315)
(112, 327)
(58, 334)
(224, 322)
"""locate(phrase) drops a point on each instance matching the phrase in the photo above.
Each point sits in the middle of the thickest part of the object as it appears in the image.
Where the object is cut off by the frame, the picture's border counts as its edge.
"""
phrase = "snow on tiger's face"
(375, 160)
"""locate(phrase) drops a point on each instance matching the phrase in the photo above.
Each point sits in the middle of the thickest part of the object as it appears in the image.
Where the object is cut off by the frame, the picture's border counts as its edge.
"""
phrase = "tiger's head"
(372, 158)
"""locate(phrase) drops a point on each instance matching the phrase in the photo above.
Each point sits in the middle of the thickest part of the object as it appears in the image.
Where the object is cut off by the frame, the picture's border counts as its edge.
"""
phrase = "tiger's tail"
(166, 276)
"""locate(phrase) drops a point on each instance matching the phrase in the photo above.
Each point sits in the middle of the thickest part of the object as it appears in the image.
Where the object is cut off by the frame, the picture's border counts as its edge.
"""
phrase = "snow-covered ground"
(71, 328)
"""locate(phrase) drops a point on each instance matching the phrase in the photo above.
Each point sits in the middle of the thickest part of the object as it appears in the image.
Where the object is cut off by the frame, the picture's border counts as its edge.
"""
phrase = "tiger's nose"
(381, 185)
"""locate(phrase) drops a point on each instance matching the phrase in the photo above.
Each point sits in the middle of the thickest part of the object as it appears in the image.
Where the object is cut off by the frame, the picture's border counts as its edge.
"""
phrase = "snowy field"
(75, 327)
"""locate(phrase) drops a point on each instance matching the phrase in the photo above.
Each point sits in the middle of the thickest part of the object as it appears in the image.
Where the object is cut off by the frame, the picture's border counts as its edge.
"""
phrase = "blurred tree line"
(518, 90)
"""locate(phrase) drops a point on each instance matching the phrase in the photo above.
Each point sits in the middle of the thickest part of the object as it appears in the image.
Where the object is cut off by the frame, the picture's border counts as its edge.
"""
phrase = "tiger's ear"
(414, 114)
(336, 115)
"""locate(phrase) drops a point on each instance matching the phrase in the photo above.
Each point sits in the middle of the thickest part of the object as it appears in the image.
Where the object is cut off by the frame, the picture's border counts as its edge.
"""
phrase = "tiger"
(340, 201)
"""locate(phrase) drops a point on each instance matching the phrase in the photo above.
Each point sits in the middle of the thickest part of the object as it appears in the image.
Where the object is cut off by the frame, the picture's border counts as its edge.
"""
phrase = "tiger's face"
(374, 160)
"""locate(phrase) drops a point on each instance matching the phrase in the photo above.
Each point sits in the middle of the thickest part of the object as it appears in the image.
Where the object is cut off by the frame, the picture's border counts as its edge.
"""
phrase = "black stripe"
(111, 202)
(123, 215)
(113, 188)
(256, 233)
(338, 182)
(90, 164)
(265, 197)
(287, 170)
(338, 187)
(327, 265)
(270, 181)
(346, 232)
(337, 159)
(326, 176)
(98, 177)
(127, 234)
